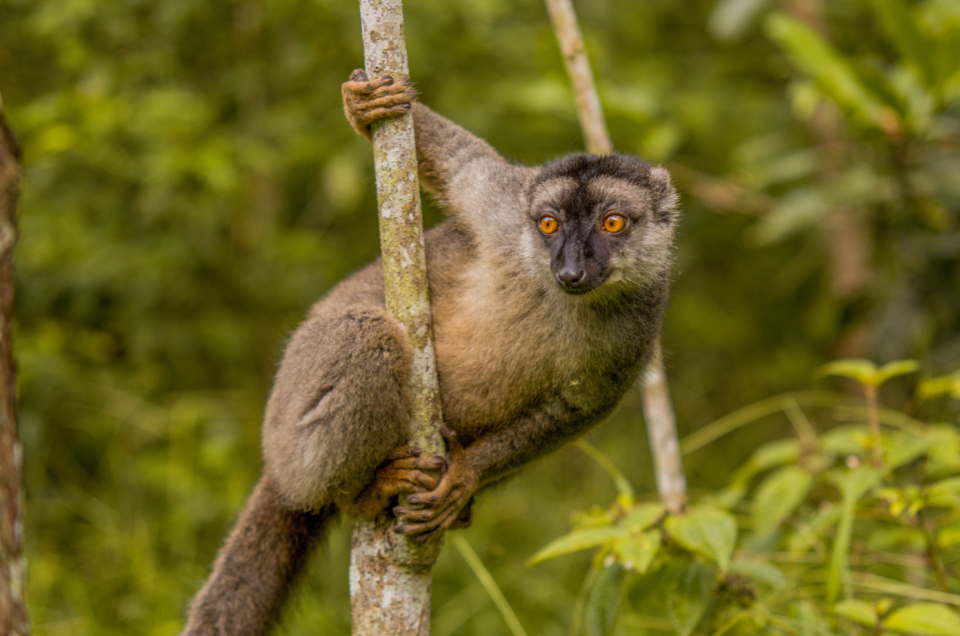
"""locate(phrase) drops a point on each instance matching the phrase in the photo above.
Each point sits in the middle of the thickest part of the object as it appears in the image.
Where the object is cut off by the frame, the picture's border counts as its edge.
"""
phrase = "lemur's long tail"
(257, 566)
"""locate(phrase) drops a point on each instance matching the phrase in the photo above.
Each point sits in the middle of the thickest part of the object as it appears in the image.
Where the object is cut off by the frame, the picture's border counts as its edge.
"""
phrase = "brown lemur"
(548, 287)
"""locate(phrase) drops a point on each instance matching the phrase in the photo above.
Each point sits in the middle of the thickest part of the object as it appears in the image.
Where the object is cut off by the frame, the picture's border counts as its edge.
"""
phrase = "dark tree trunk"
(13, 607)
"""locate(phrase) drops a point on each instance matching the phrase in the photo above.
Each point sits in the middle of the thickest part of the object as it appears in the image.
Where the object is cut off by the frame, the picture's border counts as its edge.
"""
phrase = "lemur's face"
(601, 220)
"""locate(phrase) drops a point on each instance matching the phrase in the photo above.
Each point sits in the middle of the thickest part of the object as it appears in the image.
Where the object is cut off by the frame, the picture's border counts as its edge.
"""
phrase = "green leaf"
(767, 578)
(777, 453)
(642, 517)
(845, 440)
(730, 18)
(858, 611)
(778, 496)
(579, 540)
(815, 56)
(685, 587)
(637, 552)
(863, 371)
(893, 369)
(711, 533)
(942, 385)
(928, 619)
(909, 36)
(853, 485)
(603, 601)
(903, 448)
(944, 493)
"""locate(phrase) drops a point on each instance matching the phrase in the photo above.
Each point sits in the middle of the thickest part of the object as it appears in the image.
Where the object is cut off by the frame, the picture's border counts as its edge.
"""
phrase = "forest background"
(191, 187)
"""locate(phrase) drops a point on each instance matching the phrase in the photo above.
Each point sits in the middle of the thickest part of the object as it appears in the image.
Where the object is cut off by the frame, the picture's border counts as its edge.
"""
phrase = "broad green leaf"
(637, 552)
(942, 385)
(949, 536)
(603, 601)
(893, 369)
(909, 35)
(845, 440)
(927, 619)
(944, 493)
(903, 448)
(815, 56)
(685, 587)
(777, 453)
(944, 455)
(711, 533)
(579, 540)
(858, 611)
(863, 371)
(855, 483)
(642, 517)
(778, 496)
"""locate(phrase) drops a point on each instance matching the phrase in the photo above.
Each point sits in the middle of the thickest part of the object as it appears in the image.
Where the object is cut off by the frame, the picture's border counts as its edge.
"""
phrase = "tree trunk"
(657, 410)
(389, 574)
(13, 606)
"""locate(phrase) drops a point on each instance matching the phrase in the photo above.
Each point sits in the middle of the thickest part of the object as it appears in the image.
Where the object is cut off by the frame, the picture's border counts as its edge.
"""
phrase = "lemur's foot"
(448, 505)
(401, 473)
(365, 101)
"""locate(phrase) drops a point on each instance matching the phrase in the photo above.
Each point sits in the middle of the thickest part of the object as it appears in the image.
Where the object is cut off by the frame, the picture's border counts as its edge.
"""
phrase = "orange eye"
(614, 223)
(548, 224)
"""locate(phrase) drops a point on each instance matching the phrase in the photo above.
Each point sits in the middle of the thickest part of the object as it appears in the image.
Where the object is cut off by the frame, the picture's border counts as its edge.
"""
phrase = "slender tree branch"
(657, 410)
(13, 607)
(390, 575)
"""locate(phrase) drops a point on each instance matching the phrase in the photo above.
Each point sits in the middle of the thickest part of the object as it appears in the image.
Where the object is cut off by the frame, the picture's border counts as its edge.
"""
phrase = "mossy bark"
(390, 575)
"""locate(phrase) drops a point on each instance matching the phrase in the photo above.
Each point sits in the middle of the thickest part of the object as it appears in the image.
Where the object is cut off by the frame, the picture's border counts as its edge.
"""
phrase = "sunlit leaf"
(579, 540)
(845, 440)
(944, 493)
(903, 448)
(943, 385)
(711, 533)
(858, 611)
(863, 371)
(893, 369)
(778, 496)
(642, 517)
(926, 619)
(638, 552)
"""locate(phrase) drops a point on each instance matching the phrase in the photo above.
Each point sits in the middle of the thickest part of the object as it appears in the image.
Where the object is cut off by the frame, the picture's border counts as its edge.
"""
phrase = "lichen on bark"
(390, 575)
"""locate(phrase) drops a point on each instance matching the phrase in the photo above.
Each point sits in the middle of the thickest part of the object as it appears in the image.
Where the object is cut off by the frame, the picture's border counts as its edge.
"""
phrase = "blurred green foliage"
(842, 528)
(190, 187)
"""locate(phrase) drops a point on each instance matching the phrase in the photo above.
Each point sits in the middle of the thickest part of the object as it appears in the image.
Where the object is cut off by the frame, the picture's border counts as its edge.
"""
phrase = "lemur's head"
(602, 220)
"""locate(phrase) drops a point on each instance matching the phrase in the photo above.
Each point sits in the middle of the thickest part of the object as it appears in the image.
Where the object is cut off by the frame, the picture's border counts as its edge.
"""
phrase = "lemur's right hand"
(365, 100)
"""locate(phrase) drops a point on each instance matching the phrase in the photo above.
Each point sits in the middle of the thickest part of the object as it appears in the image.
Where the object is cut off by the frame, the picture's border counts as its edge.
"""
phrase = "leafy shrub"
(851, 530)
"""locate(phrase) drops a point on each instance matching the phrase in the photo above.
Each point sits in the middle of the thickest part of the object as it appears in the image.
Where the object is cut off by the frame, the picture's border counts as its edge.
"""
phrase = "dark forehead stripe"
(584, 168)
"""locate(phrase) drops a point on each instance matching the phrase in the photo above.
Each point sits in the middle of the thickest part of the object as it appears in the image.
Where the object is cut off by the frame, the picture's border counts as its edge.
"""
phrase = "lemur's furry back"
(548, 287)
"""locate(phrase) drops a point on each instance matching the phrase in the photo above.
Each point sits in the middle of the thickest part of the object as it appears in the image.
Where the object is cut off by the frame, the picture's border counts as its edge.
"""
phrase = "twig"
(657, 410)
